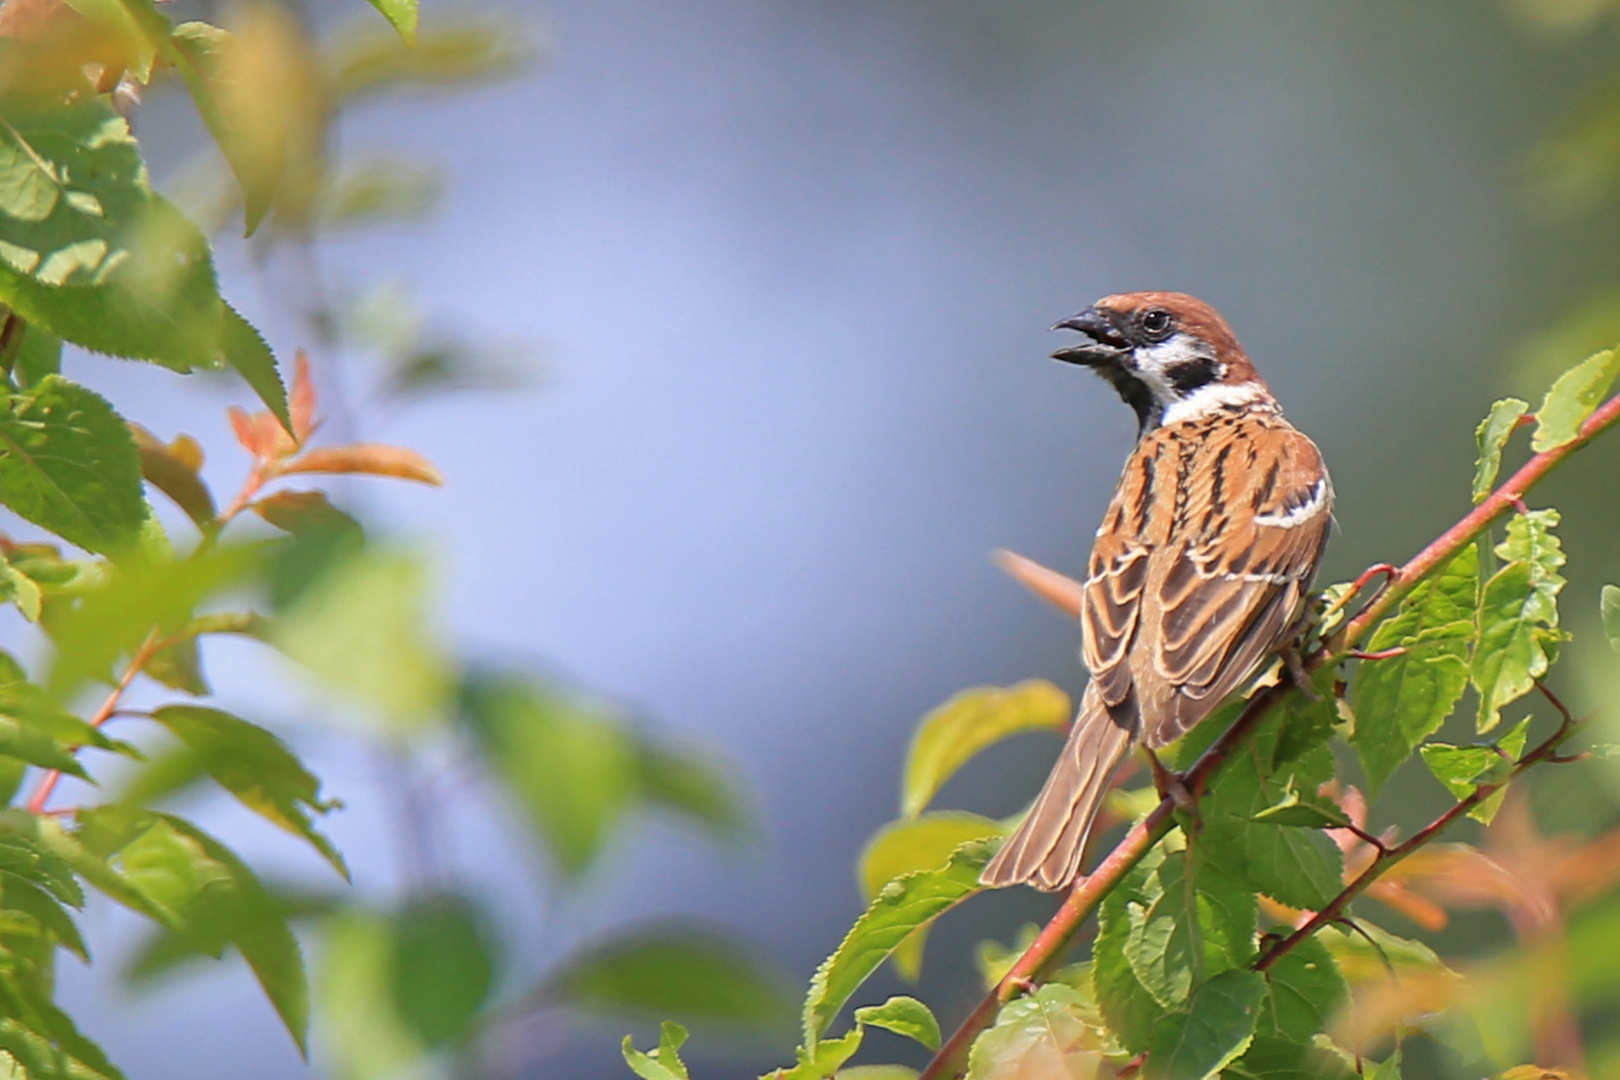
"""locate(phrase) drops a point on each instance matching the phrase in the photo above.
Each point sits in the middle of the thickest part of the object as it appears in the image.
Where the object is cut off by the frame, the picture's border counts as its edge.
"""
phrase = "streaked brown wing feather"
(1184, 610)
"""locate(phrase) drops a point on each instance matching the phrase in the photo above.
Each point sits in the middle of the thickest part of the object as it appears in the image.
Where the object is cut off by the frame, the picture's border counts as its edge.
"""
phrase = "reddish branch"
(48, 782)
(951, 1061)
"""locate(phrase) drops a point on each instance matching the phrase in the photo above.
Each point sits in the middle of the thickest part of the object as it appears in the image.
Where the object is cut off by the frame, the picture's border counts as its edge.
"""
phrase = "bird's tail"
(1046, 850)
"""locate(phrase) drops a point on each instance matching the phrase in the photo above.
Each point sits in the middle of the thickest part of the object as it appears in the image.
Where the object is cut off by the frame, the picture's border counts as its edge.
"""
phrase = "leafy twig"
(1087, 893)
(48, 782)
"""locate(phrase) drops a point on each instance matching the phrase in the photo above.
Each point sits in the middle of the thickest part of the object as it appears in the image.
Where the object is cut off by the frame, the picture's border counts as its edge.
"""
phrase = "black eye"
(1156, 324)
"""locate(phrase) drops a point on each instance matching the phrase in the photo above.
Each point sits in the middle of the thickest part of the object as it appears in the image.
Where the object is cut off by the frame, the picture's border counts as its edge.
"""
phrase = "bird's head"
(1171, 356)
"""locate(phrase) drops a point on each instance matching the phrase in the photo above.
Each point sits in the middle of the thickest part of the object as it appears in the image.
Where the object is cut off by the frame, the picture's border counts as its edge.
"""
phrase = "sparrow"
(1201, 565)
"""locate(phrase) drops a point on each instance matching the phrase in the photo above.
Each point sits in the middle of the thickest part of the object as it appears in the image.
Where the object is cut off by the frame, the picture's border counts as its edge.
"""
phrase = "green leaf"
(1186, 927)
(53, 919)
(135, 599)
(1214, 1030)
(1305, 812)
(824, 1060)
(245, 351)
(693, 785)
(91, 864)
(911, 844)
(1371, 952)
(443, 967)
(1307, 990)
(361, 631)
(445, 53)
(361, 1031)
(900, 908)
(87, 251)
(1126, 1004)
(570, 764)
(18, 588)
(37, 711)
(1463, 768)
(219, 902)
(68, 464)
(1400, 701)
(1050, 1033)
(904, 1016)
(179, 667)
(664, 1063)
(256, 767)
(39, 356)
(401, 15)
(1572, 398)
(1610, 606)
(24, 857)
(1272, 1058)
(694, 975)
(1298, 867)
(952, 734)
(1518, 615)
(1491, 436)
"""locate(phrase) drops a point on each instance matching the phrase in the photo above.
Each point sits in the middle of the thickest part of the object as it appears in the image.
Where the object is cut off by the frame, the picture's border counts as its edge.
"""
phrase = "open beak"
(1107, 347)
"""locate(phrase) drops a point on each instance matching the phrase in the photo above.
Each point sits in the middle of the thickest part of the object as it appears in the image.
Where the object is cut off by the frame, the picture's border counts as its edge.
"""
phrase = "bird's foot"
(1171, 785)
(1296, 671)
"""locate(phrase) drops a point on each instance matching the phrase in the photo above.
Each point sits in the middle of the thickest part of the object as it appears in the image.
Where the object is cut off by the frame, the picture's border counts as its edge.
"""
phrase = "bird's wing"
(1254, 525)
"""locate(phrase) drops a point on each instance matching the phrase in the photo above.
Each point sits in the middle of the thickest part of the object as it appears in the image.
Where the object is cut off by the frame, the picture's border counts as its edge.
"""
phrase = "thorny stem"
(48, 782)
(1088, 892)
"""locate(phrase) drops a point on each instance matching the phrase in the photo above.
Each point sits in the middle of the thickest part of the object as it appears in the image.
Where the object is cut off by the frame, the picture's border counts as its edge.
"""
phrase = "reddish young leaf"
(371, 458)
(302, 404)
(261, 435)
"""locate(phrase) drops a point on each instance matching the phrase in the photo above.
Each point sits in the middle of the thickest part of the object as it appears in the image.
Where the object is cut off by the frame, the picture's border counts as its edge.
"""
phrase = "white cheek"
(1155, 362)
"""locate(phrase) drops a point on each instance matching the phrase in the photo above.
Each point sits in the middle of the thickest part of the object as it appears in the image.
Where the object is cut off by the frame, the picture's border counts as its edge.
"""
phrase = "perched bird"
(1200, 567)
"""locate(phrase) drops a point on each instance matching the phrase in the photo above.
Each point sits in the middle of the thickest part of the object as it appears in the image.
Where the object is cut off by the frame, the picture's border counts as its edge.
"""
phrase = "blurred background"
(754, 296)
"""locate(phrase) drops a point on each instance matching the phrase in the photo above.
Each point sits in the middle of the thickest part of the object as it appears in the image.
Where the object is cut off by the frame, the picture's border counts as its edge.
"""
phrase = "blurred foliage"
(92, 256)
(1248, 943)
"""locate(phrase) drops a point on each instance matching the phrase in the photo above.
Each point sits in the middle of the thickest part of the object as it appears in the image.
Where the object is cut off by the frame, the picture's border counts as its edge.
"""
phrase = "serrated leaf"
(1518, 615)
(256, 767)
(54, 920)
(69, 464)
(91, 254)
(825, 1059)
(900, 908)
(1051, 1033)
(219, 901)
(1125, 1003)
(1572, 398)
(1400, 701)
(664, 1062)
(904, 1016)
(1307, 989)
(443, 967)
(1296, 811)
(401, 15)
(244, 349)
(1491, 436)
(911, 844)
(690, 973)
(1463, 768)
(952, 734)
(1214, 1030)
(1185, 927)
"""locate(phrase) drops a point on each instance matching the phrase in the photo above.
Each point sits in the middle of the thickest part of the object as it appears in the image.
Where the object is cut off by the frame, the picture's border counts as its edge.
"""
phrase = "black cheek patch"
(1194, 373)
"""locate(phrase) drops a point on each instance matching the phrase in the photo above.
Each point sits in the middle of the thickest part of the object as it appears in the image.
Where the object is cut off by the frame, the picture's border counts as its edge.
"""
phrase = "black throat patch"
(1194, 373)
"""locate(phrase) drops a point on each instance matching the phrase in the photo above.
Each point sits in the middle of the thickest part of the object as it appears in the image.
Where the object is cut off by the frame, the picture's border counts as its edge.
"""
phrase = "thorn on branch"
(1518, 503)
